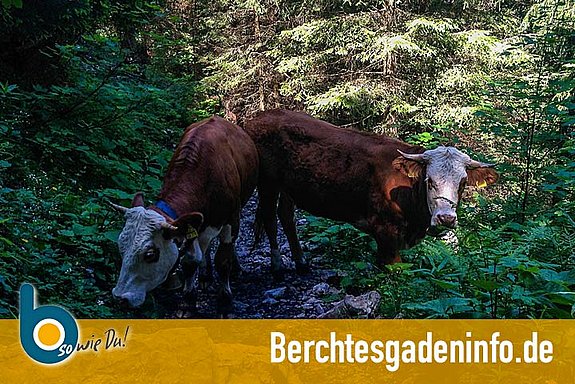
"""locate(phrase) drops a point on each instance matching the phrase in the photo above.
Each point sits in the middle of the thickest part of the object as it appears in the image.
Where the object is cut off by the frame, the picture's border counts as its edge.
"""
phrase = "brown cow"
(385, 187)
(211, 176)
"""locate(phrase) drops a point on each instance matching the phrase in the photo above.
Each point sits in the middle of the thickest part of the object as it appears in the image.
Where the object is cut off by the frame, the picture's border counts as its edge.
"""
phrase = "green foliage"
(531, 109)
(375, 66)
(504, 271)
(102, 130)
(60, 243)
(12, 3)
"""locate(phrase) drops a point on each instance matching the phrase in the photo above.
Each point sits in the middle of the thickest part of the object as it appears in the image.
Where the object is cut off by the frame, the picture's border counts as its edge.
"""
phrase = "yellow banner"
(302, 351)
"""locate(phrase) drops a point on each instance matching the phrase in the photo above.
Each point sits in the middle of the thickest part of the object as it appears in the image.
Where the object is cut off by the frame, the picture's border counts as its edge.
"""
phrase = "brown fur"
(213, 172)
(337, 173)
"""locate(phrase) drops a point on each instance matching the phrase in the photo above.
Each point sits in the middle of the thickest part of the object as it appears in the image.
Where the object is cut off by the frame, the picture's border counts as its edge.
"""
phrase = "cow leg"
(194, 257)
(206, 275)
(205, 239)
(223, 263)
(387, 250)
(190, 269)
(267, 210)
(286, 210)
(236, 267)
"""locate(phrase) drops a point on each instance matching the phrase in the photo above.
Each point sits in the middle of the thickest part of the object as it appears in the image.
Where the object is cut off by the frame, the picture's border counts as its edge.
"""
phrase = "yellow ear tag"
(483, 184)
(192, 233)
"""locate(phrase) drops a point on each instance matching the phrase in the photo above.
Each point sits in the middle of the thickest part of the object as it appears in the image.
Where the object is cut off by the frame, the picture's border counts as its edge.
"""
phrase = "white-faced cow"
(211, 176)
(383, 186)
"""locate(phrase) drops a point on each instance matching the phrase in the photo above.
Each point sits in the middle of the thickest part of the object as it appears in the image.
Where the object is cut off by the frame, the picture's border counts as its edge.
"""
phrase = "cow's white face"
(446, 177)
(147, 257)
(447, 172)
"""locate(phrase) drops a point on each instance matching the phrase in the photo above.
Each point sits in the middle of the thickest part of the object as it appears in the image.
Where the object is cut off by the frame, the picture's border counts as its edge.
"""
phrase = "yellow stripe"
(238, 351)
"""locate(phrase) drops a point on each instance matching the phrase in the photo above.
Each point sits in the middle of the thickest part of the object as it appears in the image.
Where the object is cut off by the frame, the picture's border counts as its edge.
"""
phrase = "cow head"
(447, 172)
(148, 249)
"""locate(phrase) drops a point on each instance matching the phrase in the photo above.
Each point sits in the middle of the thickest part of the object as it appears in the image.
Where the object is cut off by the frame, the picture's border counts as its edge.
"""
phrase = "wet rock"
(328, 274)
(366, 303)
(240, 306)
(275, 293)
(293, 290)
(312, 300)
(270, 301)
(320, 289)
(318, 309)
(354, 306)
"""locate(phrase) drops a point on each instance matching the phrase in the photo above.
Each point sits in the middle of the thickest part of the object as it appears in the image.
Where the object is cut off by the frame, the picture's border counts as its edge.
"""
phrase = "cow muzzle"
(129, 299)
(444, 213)
(445, 219)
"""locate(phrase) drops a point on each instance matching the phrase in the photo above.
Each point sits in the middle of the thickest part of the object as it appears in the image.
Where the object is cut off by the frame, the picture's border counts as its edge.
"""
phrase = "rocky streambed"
(258, 296)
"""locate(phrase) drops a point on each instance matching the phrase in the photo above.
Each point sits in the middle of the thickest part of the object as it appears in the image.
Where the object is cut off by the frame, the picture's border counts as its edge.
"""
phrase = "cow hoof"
(190, 299)
(302, 269)
(225, 306)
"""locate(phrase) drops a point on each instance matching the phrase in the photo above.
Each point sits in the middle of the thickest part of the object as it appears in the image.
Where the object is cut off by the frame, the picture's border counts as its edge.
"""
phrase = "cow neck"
(162, 207)
(170, 218)
(420, 218)
(421, 208)
(180, 203)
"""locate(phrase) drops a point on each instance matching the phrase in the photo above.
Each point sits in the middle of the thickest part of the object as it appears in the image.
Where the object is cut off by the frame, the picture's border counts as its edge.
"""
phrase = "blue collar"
(165, 207)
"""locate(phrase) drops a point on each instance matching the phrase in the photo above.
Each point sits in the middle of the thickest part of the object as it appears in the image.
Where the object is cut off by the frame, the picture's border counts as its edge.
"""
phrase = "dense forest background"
(94, 95)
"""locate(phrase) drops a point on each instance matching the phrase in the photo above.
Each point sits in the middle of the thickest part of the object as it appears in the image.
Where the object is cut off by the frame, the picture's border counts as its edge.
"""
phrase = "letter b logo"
(48, 333)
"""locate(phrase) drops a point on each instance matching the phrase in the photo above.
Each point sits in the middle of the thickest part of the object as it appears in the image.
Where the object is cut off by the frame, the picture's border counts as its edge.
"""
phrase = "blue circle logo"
(48, 333)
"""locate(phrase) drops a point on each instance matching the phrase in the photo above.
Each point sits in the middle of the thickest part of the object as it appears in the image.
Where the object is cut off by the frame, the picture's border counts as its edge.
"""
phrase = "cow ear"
(481, 177)
(187, 224)
(410, 168)
(194, 219)
(138, 200)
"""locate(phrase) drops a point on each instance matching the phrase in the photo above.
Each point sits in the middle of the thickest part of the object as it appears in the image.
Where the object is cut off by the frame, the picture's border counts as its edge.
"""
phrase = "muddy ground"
(256, 294)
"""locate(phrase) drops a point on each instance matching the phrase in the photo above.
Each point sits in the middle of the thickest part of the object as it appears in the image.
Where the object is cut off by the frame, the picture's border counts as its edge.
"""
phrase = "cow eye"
(430, 184)
(152, 255)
